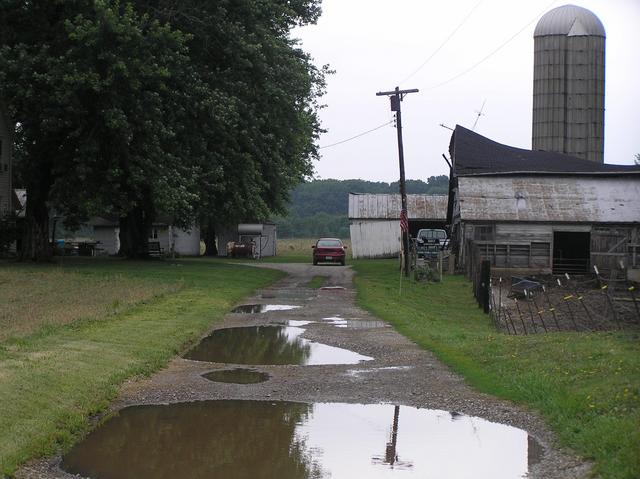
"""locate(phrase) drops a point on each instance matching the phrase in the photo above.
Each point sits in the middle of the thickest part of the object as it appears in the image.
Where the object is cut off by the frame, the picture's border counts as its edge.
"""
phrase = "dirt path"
(400, 373)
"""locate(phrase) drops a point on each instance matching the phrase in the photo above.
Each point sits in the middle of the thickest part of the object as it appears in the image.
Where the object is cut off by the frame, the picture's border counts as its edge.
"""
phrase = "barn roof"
(473, 154)
(388, 206)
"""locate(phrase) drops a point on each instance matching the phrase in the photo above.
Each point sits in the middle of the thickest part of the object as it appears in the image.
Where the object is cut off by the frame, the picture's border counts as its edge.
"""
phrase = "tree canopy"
(205, 112)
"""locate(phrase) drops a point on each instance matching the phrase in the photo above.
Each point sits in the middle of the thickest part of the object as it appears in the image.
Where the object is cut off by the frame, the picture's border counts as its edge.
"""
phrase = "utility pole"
(396, 96)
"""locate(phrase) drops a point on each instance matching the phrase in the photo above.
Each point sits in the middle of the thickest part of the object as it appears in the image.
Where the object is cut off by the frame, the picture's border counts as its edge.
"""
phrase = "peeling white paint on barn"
(550, 198)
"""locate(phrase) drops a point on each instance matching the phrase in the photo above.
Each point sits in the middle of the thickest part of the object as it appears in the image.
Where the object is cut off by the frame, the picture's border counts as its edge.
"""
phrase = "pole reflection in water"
(234, 439)
(391, 450)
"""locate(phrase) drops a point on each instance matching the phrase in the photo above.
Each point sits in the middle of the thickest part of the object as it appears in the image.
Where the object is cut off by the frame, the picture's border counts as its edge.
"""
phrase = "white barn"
(539, 211)
(375, 221)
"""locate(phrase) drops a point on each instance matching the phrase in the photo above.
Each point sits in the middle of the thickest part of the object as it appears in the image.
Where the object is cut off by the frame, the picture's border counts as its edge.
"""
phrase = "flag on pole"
(404, 222)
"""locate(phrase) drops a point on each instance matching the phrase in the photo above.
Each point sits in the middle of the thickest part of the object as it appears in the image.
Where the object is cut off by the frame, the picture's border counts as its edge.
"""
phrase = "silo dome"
(569, 20)
(568, 83)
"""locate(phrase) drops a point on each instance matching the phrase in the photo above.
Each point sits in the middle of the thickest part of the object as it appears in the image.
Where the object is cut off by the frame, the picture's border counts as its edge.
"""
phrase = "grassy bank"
(56, 373)
(586, 385)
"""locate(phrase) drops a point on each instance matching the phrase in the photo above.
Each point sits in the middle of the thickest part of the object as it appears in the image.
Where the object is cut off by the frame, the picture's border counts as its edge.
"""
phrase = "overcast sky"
(376, 45)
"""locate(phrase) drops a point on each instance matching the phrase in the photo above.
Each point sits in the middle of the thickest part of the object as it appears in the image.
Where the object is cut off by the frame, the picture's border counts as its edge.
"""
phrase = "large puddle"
(269, 345)
(264, 439)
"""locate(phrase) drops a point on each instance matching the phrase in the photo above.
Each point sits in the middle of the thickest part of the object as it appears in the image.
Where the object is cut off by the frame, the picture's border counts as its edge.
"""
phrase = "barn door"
(571, 252)
(609, 246)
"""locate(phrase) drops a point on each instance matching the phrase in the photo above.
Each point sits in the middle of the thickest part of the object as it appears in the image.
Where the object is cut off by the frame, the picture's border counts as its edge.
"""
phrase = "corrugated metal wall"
(388, 206)
(375, 238)
(568, 95)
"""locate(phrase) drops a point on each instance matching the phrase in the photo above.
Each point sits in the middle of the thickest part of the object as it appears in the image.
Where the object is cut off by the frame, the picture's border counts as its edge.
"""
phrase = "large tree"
(192, 109)
(261, 132)
(90, 84)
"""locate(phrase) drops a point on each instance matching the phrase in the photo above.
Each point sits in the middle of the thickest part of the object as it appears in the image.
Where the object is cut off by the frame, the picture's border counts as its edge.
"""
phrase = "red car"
(329, 250)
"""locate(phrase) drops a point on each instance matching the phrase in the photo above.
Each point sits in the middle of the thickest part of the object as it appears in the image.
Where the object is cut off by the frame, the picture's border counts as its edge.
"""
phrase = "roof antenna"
(479, 112)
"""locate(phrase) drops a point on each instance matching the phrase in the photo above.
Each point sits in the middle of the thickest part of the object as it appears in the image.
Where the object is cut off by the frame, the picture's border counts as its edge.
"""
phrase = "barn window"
(154, 233)
(483, 233)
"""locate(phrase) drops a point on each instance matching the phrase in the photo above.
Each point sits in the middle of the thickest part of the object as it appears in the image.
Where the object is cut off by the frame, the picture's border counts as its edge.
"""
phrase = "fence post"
(485, 282)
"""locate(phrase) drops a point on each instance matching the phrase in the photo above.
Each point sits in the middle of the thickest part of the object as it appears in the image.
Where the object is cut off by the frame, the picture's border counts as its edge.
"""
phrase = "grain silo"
(568, 83)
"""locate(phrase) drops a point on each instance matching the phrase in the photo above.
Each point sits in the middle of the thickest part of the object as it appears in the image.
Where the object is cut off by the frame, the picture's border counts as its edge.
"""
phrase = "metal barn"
(543, 212)
(375, 221)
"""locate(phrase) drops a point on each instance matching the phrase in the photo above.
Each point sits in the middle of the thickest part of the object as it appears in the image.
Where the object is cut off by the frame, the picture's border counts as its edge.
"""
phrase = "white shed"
(375, 221)
(171, 238)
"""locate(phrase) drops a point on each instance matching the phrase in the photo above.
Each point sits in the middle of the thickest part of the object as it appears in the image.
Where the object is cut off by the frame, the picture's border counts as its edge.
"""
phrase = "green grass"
(53, 379)
(586, 385)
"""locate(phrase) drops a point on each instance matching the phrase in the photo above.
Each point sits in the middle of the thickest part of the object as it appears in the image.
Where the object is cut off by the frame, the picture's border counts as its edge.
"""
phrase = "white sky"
(374, 45)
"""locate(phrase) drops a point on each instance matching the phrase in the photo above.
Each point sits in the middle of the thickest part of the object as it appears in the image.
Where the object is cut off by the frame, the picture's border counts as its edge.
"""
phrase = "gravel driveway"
(400, 373)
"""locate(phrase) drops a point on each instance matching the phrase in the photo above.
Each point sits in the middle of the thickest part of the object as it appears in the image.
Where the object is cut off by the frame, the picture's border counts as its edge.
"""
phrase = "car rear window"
(330, 244)
(433, 234)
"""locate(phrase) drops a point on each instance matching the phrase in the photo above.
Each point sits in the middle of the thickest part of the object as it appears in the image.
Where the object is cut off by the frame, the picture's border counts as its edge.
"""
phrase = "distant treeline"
(320, 207)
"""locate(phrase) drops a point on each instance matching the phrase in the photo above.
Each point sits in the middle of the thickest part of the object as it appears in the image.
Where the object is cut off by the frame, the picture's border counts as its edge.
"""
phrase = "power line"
(357, 136)
(464, 20)
(474, 66)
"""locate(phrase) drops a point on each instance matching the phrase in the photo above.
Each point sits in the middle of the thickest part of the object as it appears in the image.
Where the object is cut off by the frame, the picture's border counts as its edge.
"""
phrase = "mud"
(237, 376)
(400, 374)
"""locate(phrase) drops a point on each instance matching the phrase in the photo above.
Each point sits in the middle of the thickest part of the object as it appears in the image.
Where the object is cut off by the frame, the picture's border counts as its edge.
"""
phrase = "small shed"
(539, 211)
(264, 234)
(374, 221)
(106, 232)
(184, 242)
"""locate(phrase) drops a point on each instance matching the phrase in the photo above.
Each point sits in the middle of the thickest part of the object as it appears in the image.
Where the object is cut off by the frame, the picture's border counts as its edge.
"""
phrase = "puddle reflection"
(269, 345)
(262, 308)
(354, 323)
(263, 439)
